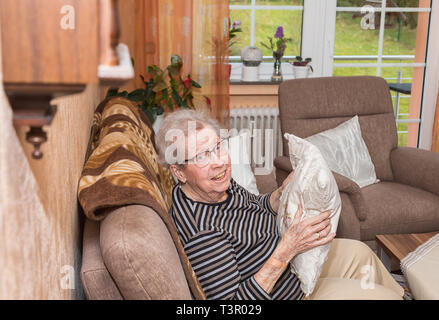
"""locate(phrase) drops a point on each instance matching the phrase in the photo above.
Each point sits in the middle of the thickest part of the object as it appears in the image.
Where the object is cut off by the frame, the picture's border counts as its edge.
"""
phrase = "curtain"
(197, 30)
(25, 246)
(435, 140)
(210, 54)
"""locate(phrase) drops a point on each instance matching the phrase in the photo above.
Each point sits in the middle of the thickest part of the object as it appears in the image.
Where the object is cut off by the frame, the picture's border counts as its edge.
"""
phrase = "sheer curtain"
(197, 30)
(435, 140)
(25, 246)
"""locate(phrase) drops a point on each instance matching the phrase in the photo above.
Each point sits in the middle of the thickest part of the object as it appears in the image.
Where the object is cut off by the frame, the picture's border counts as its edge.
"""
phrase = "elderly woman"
(230, 235)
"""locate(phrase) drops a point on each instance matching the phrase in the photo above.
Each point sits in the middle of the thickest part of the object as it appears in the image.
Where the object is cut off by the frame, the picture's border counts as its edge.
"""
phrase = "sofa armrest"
(344, 184)
(416, 167)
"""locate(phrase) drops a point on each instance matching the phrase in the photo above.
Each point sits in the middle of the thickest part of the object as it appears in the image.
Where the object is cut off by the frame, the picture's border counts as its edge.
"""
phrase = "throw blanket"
(122, 169)
(420, 269)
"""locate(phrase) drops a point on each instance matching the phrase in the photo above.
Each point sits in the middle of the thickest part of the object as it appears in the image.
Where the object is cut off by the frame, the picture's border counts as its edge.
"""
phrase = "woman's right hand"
(304, 235)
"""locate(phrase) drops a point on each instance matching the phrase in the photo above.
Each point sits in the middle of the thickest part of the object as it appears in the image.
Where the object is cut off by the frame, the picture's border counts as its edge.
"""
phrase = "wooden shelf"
(46, 55)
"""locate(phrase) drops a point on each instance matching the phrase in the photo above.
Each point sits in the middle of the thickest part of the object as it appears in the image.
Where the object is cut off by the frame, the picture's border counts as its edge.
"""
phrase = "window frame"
(253, 7)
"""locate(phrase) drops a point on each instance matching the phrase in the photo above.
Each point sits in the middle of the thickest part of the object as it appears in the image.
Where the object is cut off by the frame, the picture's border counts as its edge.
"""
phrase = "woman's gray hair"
(179, 120)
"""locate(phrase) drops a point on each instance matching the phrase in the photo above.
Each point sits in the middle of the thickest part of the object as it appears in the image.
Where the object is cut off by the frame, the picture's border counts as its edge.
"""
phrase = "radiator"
(264, 127)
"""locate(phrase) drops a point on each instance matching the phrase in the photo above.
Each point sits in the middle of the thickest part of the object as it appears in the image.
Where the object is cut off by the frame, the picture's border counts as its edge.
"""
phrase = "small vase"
(277, 73)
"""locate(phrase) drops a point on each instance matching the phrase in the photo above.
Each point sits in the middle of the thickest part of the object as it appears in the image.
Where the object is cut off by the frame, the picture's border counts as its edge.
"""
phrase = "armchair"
(406, 200)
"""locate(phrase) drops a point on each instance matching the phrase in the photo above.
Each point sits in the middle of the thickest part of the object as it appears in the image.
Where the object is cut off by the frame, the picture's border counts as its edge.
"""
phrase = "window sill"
(265, 72)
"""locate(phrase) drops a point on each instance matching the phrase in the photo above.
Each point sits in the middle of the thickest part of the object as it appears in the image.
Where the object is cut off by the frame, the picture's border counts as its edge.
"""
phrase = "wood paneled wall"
(57, 175)
(37, 48)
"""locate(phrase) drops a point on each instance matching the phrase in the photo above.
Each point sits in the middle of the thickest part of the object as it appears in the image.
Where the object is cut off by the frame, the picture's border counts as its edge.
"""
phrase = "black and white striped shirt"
(228, 242)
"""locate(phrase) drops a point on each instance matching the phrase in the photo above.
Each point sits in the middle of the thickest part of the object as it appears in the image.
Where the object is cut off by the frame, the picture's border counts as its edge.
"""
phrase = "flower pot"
(301, 71)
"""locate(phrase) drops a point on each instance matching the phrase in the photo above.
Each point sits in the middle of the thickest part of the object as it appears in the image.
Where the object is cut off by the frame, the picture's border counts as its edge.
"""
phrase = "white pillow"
(346, 153)
(239, 156)
(314, 187)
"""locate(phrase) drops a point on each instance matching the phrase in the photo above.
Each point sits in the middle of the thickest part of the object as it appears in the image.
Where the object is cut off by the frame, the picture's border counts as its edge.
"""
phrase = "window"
(259, 20)
(391, 45)
(386, 38)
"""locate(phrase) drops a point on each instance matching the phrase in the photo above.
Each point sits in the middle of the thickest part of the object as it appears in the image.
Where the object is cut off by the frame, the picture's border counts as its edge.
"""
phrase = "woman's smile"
(220, 177)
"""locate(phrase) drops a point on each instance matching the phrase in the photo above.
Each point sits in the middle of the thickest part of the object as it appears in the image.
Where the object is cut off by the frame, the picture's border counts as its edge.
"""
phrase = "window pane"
(351, 38)
(401, 31)
(410, 3)
(350, 3)
(267, 22)
(279, 2)
(242, 39)
(401, 101)
(354, 71)
(240, 2)
(397, 74)
(390, 4)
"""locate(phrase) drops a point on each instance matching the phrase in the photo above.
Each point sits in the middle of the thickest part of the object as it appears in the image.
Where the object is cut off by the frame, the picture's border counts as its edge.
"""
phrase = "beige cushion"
(314, 188)
(141, 256)
(345, 152)
(240, 159)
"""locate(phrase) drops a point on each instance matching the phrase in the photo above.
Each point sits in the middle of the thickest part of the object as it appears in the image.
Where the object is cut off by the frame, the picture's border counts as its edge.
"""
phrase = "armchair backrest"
(309, 106)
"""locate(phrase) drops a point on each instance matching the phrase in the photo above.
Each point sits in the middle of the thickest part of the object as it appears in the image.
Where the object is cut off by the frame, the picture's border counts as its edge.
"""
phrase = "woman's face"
(209, 182)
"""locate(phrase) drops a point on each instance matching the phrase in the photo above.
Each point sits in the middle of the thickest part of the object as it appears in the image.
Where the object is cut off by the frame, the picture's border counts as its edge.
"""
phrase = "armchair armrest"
(346, 185)
(416, 167)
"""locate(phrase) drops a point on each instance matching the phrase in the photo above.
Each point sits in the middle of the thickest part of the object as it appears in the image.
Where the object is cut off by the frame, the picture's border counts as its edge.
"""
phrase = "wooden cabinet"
(52, 48)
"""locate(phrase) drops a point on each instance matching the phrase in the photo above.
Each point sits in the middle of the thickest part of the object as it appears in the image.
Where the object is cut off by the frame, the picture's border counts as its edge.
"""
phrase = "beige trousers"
(353, 271)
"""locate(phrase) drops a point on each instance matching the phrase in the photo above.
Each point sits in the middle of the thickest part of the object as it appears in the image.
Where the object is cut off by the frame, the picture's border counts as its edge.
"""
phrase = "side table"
(392, 248)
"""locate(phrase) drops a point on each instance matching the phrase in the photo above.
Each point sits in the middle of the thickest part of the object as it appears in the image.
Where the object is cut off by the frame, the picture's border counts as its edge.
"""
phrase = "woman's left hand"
(275, 195)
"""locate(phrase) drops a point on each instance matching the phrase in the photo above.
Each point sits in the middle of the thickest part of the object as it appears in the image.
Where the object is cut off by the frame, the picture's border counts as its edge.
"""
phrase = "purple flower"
(279, 32)
(236, 24)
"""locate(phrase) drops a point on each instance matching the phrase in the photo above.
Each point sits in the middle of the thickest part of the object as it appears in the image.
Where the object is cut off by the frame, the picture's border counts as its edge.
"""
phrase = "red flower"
(188, 82)
(207, 100)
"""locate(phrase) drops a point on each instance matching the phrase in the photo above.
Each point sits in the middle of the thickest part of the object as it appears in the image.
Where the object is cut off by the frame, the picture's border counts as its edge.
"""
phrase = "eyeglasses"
(203, 158)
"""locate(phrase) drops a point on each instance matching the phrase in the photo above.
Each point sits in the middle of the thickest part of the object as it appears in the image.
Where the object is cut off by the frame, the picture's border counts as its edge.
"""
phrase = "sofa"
(406, 200)
(130, 247)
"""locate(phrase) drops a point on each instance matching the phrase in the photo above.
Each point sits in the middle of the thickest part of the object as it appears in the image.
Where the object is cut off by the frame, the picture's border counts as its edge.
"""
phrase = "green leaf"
(159, 86)
(137, 95)
(177, 98)
(143, 79)
(195, 84)
(112, 92)
(123, 94)
(170, 104)
(150, 114)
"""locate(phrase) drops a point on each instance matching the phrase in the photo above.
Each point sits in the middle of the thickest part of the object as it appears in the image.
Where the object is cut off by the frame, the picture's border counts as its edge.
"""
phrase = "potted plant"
(278, 47)
(164, 89)
(301, 67)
